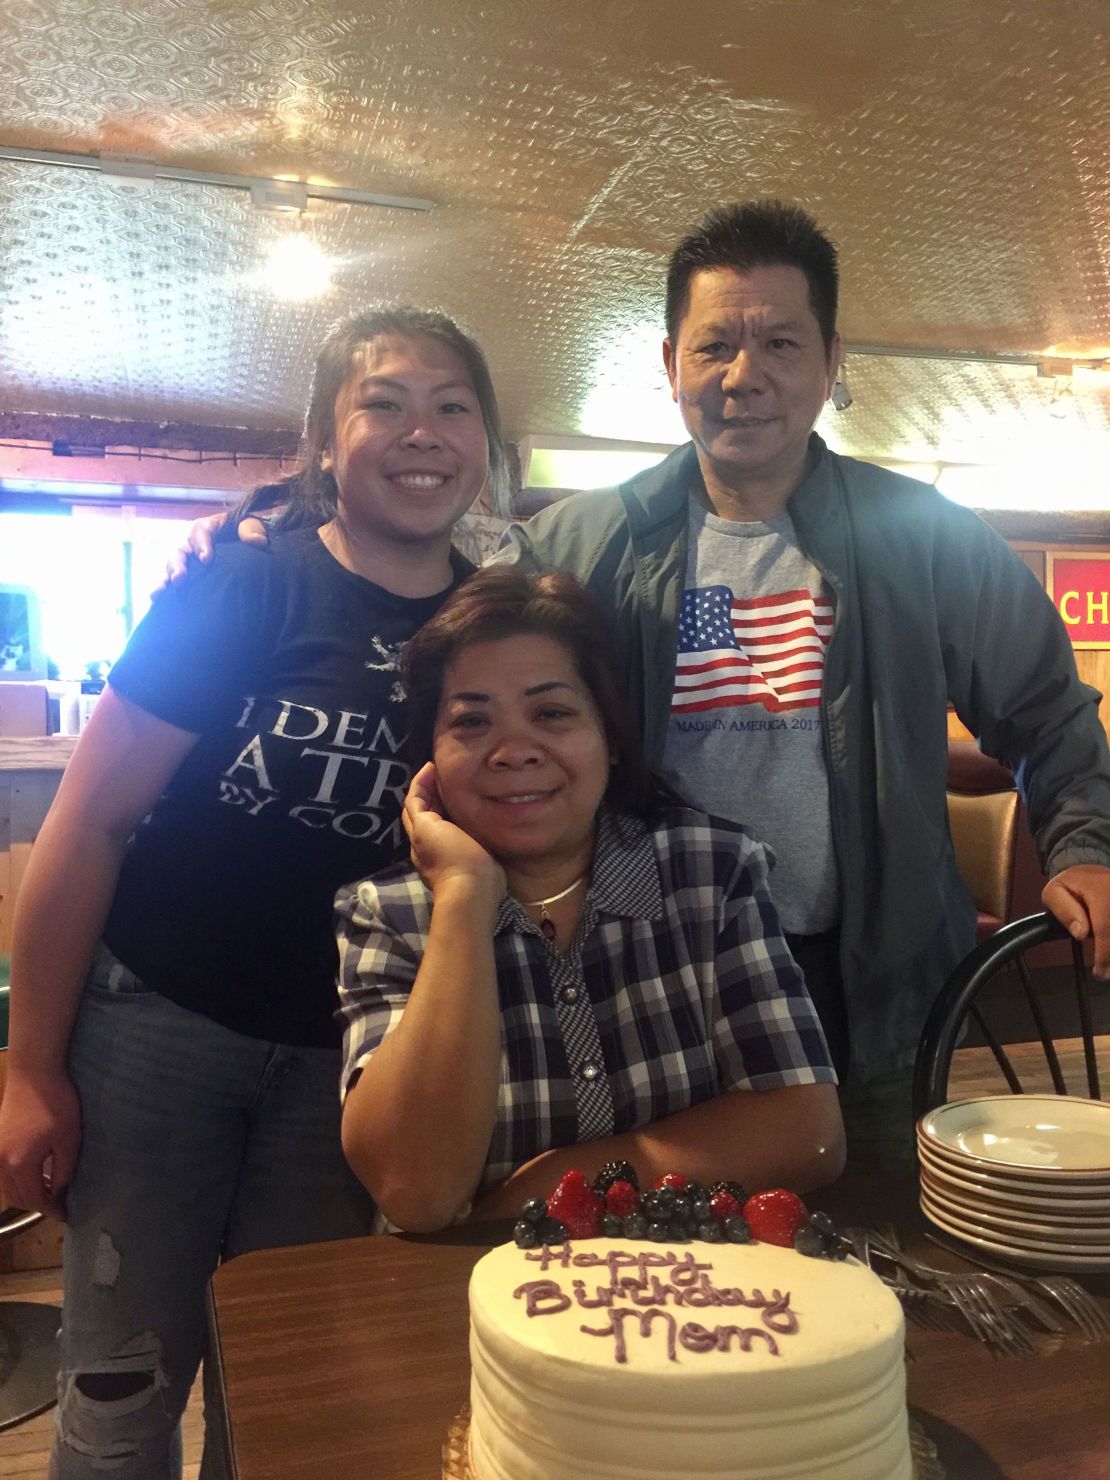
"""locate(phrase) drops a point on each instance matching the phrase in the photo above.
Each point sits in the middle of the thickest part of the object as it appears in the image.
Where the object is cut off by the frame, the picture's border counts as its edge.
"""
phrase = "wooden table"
(347, 1361)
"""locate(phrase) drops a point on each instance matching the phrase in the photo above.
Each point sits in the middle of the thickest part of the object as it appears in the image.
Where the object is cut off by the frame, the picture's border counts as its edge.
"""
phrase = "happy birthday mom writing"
(631, 1279)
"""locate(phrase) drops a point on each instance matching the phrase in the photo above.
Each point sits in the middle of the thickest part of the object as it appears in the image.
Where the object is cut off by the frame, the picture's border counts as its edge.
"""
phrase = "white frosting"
(740, 1362)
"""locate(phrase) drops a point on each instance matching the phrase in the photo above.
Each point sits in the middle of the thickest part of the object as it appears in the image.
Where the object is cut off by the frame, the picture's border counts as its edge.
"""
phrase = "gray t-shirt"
(744, 739)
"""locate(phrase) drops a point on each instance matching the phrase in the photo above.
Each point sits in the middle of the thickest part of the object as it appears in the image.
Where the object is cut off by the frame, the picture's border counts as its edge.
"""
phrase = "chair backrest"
(983, 811)
(956, 1004)
(984, 829)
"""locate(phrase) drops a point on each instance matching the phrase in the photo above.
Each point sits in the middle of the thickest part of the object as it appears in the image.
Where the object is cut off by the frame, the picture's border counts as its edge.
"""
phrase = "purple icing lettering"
(778, 1316)
(547, 1256)
(615, 1329)
(687, 1270)
(661, 1293)
(744, 1337)
(696, 1338)
(701, 1294)
(542, 1297)
(605, 1295)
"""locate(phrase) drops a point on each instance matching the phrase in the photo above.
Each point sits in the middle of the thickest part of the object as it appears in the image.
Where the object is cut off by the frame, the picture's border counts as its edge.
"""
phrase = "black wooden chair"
(957, 1005)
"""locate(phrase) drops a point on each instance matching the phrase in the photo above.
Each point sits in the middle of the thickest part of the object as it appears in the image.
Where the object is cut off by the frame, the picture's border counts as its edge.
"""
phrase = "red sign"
(1079, 584)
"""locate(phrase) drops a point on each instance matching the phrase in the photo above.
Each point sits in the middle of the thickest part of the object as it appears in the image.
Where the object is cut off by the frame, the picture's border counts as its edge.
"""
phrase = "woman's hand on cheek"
(446, 857)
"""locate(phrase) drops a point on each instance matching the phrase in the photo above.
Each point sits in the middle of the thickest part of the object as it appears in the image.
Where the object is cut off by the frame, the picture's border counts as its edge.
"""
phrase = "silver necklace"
(547, 924)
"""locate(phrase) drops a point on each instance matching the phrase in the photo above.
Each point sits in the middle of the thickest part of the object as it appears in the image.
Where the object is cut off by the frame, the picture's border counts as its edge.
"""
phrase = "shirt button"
(589, 1070)
(570, 994)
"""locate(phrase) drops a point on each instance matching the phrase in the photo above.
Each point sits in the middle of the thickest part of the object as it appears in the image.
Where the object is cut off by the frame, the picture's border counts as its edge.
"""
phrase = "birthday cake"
(614, 1358)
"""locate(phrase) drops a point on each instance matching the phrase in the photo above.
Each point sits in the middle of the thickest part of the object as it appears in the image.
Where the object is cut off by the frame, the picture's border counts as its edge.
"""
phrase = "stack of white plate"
(1023, 1178)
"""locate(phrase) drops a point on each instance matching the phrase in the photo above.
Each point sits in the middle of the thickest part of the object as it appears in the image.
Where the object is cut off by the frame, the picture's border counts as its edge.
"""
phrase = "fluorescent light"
(566, 467)
(262, 188)
(1075, 486)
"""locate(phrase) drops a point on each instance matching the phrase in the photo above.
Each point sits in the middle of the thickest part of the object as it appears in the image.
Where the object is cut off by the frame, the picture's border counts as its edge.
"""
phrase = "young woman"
(577, 969)
(177, 1102)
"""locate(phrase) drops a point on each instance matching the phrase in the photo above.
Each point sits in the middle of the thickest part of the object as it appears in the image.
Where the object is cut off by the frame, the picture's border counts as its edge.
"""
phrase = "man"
(794, 626)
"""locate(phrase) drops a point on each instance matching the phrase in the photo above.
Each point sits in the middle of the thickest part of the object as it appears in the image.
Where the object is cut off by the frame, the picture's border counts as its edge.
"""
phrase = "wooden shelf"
(36, 752)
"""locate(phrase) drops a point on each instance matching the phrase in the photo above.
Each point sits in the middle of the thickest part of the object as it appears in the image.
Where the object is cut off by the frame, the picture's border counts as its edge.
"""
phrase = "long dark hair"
(503, 601)
(310, 494)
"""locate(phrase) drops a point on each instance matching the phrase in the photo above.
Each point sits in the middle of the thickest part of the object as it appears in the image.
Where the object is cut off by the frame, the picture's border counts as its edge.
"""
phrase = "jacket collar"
(659, 495)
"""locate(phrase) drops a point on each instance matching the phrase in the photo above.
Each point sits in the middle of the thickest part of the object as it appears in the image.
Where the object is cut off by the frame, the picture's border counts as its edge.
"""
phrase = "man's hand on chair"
(1079, 897)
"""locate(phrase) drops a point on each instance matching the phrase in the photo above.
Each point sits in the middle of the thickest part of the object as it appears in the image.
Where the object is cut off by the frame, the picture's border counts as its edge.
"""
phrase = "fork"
(984, 1299)
(1083, 1308)
(987, 1320)
(1025, 1289)
(923, 1307)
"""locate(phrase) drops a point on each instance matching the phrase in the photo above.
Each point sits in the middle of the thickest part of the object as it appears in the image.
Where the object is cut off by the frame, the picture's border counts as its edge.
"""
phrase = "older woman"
(577, 968)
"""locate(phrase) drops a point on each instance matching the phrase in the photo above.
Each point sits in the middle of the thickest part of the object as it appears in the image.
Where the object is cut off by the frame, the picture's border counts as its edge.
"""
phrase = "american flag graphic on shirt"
(769, 650)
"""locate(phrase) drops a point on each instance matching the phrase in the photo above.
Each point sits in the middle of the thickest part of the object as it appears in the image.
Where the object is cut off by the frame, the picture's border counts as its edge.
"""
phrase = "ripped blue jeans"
(197, 1143)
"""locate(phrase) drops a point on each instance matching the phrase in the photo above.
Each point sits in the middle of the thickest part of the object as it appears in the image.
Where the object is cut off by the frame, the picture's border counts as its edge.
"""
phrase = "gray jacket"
(932, 607)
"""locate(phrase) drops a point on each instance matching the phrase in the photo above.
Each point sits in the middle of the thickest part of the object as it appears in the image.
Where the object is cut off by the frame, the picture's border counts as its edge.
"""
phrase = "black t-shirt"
(284, 663)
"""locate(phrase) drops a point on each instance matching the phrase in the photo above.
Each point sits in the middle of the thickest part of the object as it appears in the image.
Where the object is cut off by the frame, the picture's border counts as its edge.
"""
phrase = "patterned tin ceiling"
(956, 151)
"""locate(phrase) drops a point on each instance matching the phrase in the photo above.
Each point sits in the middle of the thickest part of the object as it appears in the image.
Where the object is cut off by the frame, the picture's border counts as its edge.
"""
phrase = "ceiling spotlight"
(841, 396)
(296, 268)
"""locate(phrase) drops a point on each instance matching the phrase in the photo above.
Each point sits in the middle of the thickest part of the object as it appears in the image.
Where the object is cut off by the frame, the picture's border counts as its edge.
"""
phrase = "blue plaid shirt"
(676, 987)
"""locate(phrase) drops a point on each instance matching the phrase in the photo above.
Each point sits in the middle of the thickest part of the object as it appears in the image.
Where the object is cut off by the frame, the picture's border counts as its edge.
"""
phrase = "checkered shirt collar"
(625, 878)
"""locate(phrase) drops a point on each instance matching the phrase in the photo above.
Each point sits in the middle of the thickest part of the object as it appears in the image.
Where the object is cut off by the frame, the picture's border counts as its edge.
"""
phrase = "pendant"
(547, 926)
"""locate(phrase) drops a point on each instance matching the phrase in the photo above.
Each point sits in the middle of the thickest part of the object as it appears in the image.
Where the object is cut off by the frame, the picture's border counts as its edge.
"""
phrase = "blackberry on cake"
(615, 1171)
(733, 1189)
(723, 1205)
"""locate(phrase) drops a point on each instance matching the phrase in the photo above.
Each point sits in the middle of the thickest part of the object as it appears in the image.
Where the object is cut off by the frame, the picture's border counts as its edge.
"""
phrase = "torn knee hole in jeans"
(110, 1387)
(130, 1376)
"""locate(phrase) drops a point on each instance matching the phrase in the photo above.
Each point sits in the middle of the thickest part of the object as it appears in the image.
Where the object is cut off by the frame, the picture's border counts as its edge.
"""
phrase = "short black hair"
(756, 233)
(506, 601)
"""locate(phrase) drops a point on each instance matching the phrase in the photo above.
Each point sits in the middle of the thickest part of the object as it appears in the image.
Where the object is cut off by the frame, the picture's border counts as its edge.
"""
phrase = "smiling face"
(521, 755)
(409, 451)
(750, 372)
